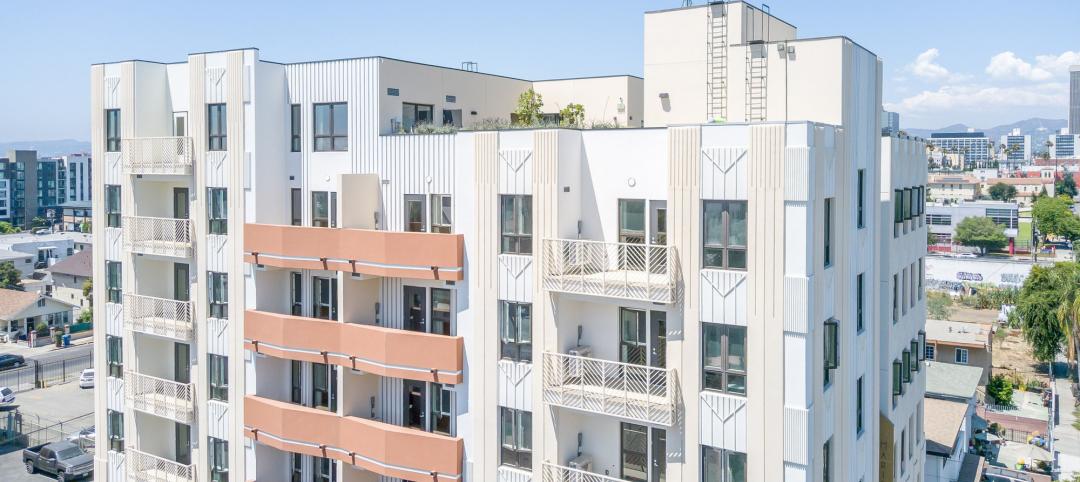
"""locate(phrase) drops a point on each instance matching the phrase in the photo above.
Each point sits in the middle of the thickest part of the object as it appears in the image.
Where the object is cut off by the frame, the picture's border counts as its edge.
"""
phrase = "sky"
(982, 63)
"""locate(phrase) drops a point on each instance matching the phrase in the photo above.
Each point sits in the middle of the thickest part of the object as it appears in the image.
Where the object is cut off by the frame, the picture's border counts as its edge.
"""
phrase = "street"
(45, 406)
(61, 353)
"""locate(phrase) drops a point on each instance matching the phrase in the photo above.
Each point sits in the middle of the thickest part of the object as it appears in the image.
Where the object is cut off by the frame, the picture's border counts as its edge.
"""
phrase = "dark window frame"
(861, 206)
(723, 372)
(860, 302)
(114, 281)
(516, 446)
(217, 210)
(332, 136)
(114, 430)
(331, 201)
(218, 377)
(295, 128)
(515, 342)
(114, 356)
(218, 459)
(217, 135)
(518, 238)
(725, 248)
(113, 203)
(828, 228)
(217, 294)
(112, 130)
(296, 206)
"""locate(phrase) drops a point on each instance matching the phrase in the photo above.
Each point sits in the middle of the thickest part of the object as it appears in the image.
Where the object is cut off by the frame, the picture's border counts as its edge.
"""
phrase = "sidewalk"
(22, 349)
(1066, 437)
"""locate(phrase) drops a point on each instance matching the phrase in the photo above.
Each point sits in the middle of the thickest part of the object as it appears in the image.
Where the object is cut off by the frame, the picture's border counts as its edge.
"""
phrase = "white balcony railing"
(647, 394)
(558, 473)
(617, 270)
(161, 236)
(158, 316)
(144, 467)
(161, 397)
(157, 155)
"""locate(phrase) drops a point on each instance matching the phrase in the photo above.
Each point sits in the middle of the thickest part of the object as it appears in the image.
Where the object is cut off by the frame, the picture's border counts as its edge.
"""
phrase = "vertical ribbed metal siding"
(413, 165)
(484, 359)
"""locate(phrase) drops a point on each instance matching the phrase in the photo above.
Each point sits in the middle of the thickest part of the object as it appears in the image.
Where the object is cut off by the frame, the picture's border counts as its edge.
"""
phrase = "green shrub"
(1000, 389)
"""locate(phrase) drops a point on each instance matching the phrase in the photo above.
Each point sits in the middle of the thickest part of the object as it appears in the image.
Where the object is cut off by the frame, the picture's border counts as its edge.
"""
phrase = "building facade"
(1064, 146)
(338, 301)
(890, 122)
(974, 147)
(1074, 99)
(942, 219)
(1016, 148)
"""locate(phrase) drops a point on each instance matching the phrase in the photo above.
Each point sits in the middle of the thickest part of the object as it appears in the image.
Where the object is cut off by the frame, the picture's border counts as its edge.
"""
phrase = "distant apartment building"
(952, 188)
(18, 188)
(37, 187)
(1016, 148)
(973, 146)
(890, 122)
(297, 286)
(1074, 99)
(942, 219)
(1064, 146)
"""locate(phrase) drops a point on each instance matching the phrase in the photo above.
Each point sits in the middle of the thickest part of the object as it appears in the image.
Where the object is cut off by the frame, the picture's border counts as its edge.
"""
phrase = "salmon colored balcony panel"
(365, 251)
(375, 349)
(382, 448)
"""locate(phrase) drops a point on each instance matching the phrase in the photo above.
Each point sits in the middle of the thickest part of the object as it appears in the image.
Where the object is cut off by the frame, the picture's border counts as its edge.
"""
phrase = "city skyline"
(941, 75)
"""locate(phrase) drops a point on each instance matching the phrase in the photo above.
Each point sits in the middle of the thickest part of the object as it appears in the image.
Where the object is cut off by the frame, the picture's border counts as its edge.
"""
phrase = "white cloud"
(964, 97)
(925, 67)
(1058, 64)
(1007, 65)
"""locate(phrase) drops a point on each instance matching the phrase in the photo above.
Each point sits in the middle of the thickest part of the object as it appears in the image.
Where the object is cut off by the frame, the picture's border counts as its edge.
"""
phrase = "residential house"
(950, 413)
(960, 343)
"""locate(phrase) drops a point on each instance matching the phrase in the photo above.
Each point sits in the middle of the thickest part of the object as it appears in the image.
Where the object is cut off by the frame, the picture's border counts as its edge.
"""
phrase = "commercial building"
(1063, 146)
(1074, 99)
(942, 219)
(342, 302)
(890, 122)
(1016, 148)
(973, 146)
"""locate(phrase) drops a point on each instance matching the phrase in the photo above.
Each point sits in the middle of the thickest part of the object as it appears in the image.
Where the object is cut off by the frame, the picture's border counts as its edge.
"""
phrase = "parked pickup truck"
(64, 459)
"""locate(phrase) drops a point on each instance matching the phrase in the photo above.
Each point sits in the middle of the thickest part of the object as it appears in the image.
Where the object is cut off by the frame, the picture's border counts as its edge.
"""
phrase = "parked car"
(64, 459)
(86, 378)
(9, 361)
(967, 255)
(83, 438)
(7, 395)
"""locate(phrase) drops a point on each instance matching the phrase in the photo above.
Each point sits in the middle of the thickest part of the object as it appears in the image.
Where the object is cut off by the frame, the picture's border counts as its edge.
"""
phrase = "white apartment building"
(691, 301)
(1016, 148)
(1064, 145)
(77, 168)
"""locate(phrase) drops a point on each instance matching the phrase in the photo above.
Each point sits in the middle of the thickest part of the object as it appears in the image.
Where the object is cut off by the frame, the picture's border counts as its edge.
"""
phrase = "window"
(114, 356)
(905, 294)
(413, 115)
(718, 465)
(112, 206)
(859, 406)
(415, 212)
(451, 117)
(832, 348)
(724, 357)
(296, 203)
(113, 281)
(442, 411)
(826, 461)
(897, 379)
(903, 451)
(515, 435)
(922, 266)
(324, 209)
(325, 469)
(296, 381)
(219, 460)
(861, 203)
(914, 355)
(441, 214)
(216, 127)
(724, 234)
(296, 467)
(931, 352)
(516, 218)
(939, 219)
(296, 293)
(515, 331)
(219, 377)
(828, 231)
(895, 298)
(324, 295)
(859, 301)
(218, 210)
(218, 294)
(961, 356)
(898, 206)
(441, 314)
(331, 127)
(905, 204)
(393, 92)
(324, 386)
(906, 367)
(294, 128)
(112, 130)
(115, 430)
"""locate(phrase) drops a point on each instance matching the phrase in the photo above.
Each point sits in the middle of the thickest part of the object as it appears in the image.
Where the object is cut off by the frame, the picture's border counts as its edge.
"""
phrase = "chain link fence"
(22, 430)
(41, 375)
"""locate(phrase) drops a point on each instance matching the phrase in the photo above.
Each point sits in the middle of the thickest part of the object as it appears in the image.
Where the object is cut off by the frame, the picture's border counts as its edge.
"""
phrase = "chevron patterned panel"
(723, 297)
(722, 421)
(723, 172)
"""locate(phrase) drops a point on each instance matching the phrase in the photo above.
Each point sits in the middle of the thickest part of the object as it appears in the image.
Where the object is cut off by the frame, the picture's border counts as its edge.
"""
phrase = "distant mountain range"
(59, 147)
(1035, 127)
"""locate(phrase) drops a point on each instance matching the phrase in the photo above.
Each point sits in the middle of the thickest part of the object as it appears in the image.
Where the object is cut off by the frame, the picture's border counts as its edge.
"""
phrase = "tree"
(528, 111)
(86, 316)
(573, 115)
(1053, 216)
(7, 228)
(1037, 307)
(1066, 187)
(9, 276)
(85, 227)
(1002, 192)
(938, 305)
(1001, 389)
(88, 291)
(980, 232)
(931, 238)
(38, 222)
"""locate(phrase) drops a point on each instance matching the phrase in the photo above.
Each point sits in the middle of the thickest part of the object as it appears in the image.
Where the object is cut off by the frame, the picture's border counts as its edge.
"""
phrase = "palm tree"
(1068, 312)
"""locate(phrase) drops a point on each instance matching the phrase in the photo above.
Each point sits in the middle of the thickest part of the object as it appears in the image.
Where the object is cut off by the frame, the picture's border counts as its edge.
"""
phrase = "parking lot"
(44, 406)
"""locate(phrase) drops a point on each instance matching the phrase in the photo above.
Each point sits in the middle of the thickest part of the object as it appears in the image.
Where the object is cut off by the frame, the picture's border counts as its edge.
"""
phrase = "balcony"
(430, 256)
(160, 236)
(558, 473)
(616, 270)
(158, 316)
(384, 449)
(144, 467)
(157, 155)
(635, 392)
(161, 397)
(374, 349)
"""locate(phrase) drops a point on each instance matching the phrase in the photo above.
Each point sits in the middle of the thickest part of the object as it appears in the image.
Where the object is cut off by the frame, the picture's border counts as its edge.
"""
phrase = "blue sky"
(981, 63)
